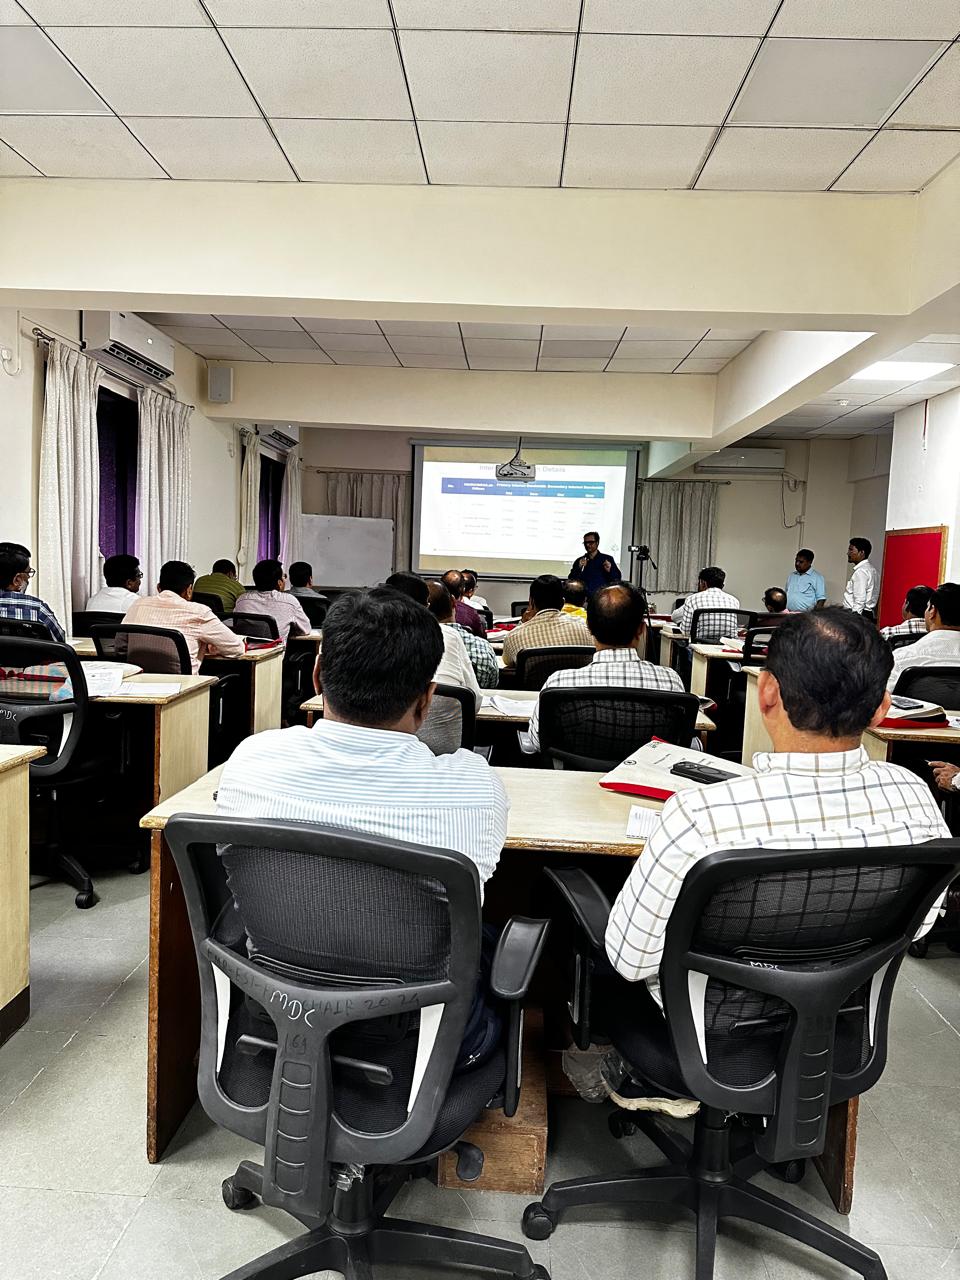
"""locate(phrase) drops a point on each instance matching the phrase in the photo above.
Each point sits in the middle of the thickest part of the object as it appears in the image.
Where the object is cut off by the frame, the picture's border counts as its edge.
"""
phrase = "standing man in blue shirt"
(596, 569)
(806, 588)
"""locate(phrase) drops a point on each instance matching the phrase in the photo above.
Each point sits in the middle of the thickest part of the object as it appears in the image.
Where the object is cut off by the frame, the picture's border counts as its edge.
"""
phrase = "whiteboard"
(347, 551)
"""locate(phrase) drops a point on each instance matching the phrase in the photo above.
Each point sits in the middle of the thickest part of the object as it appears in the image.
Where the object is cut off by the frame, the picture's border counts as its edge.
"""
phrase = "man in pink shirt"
(272, 598)
(173, 607)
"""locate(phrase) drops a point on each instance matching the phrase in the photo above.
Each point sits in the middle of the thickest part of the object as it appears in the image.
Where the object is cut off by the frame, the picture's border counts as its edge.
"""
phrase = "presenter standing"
(595, 569)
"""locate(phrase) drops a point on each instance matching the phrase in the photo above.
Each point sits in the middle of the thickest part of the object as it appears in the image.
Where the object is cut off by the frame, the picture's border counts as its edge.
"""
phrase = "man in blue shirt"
(806, 588)
(15, 574)
(595, 569)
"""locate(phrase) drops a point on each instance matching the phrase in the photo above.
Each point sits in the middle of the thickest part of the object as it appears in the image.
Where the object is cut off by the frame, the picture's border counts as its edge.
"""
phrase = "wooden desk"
(262, 671)
(702, 656)
(669, 636)
(82, 646)
(15, 886)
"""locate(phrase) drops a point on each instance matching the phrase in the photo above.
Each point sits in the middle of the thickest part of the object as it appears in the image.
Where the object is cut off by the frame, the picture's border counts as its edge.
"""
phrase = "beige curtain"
(163, 482)
(377, 495)
(677, 520)
(249, 507)
(291, 509)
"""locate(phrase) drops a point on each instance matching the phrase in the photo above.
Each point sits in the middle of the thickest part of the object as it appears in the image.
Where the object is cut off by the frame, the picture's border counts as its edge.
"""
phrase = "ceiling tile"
(680, 17)
(495, 348)
(832, 82)
(424, 360)
(299, 13)
(12, 165)
(523, 364)
(158, 71)
(572, 364)
(190, 335)
(382, 151)
(224, 150)
(337, 343)
(285, 323)
(78, 146)
(621, 365)
(35, 77)
(11, 15)
(322, 324)
(657, 79)
(288, 356)
(323, 74)
(897, 161)
(404, 345)
(869, 19)
(488, 15)
(712, 347)
(734, 335)
(365, 357)
(683, 333)
(695, 365)
(747, 159)
(422, 328)
(501, 331)
(582, 332)
(634, 156)
(654, 350)
(605, 349)
(936, 99)
(180, 319)
(110, 13)
(488, 75)
(238, 355)
(941, 337)
(929, 351)
(264, 338)
(492, 155)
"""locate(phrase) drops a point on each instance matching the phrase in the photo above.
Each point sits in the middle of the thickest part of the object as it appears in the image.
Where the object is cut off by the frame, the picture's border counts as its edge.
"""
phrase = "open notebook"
(913, 713)
(646, 772)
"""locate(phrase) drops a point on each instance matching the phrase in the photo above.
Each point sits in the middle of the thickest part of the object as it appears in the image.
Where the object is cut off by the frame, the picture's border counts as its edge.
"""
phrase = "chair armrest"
(516, 957)
(586, 900)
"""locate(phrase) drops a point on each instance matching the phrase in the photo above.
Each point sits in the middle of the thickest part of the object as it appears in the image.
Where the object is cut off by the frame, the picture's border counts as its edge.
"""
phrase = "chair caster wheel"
(620, 1126)
(86, 899)
(918, 949)
(539, 1273)
(235, 1197)
(954, 947)
(789, 1170)
(538, 1223)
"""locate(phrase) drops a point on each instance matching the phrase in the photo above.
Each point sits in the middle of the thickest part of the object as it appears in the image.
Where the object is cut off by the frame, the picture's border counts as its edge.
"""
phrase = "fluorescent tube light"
(902, 370)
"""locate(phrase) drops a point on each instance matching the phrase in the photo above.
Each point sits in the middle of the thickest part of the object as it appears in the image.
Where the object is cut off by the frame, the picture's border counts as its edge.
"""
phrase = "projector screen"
(463, 515)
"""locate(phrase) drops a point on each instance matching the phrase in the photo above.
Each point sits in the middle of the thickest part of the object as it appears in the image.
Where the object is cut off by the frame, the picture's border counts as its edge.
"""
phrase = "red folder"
(634, 789)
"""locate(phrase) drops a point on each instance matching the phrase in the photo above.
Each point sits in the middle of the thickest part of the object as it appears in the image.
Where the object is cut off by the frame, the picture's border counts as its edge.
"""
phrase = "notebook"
(647, 771)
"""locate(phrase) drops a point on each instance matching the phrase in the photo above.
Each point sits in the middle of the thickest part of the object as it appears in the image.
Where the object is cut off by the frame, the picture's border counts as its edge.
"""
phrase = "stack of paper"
(647, 771)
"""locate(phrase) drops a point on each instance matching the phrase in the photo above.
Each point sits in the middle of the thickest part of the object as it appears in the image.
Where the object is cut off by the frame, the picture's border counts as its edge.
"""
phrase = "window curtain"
(291, 508)
(249, 507)
(677, 520)
(378, 495)
(68, 550)
(163, 482)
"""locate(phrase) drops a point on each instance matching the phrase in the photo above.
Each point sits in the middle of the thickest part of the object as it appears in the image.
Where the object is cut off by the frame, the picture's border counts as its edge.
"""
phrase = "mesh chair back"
(451, 722)
(157, 650)
(534, 665)
(517, 607)
(487, 614)
(899, 642)
(82, 622)
(211, 600)
(594, 729)
(678, 602)
(259, 625)
(335, 949)
(23, 630)
(932, 684)
(777, 974)
(31, 672)
(755, 644)
(708, 625)
(315, 607)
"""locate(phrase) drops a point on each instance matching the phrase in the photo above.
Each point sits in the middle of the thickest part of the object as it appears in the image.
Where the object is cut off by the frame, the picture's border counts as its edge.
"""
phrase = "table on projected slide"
(552, 813)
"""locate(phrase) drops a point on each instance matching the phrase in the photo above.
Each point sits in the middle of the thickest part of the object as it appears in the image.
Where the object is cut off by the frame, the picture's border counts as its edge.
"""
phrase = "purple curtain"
(271, 489)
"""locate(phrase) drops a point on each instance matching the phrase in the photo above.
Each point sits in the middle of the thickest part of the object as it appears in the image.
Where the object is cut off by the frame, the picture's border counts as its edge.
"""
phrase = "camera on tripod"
(641, 552)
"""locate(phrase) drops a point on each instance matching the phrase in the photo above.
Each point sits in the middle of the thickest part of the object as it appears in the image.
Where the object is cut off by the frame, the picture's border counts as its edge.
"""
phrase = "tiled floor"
(79, 1200)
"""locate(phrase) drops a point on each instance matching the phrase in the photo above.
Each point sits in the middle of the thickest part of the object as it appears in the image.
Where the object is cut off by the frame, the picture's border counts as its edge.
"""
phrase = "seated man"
(467, 616)
(123, 576)
(222, 581)
(823, 685)
(940, 646)
(775, 600)
(913, 613)
(470, 595)
(709, 595)
(545, 625)
(455, 666)
(173, 607)
(574, 599)
(410, 585)
(15, 575)
(361, 766)
(480, 654)
(270, 597)
(301, 581)
(615, 616)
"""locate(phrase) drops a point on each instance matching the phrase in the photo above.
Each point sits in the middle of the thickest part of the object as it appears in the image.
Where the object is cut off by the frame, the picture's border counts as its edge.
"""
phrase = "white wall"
(925, 472)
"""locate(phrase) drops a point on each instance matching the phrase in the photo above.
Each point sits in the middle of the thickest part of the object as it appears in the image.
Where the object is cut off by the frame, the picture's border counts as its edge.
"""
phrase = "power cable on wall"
(795, 485)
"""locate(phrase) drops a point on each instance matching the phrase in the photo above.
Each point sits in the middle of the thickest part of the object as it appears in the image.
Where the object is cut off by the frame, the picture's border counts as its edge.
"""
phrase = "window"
(117, 423)
(271, 487)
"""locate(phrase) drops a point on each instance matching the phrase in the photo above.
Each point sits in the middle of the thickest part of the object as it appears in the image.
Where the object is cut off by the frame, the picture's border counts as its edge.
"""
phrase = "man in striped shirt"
(823, 685)
(174, 607)
(914, 607)
(709, 595)
(615, 617)
(362, 767)
(15, 575)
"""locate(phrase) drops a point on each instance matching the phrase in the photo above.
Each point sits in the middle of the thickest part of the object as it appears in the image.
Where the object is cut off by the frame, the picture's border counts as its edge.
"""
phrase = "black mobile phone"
(700, 772)
(905, 704)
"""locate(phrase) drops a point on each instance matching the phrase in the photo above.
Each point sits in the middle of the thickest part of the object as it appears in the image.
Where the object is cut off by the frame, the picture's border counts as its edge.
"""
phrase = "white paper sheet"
(146, 690)
(103, 678)
(510, 706)
(642, 822)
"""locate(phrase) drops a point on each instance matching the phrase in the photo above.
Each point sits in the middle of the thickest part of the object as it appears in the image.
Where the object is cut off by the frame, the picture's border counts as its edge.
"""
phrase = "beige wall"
(925, 472)
(356, 449)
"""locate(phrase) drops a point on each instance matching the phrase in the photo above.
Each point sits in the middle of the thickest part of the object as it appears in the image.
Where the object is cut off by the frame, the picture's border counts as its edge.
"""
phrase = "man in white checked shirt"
(823, 685)
(709, 595)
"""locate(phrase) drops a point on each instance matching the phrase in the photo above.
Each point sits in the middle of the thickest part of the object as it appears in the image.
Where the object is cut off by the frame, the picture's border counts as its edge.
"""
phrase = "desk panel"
(15, 886)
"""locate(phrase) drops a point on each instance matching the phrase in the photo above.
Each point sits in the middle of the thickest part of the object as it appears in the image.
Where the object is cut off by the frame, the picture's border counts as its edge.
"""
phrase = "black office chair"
(708, 625)
(517, 607)
(595, 729)
(777, 976)
(82, 622)
(535, 665)
(315, 607)
(211, 600)
(931, 684)
(28, 718)
(19, 629)
(678, 602)
(344, 968)
(259, 626)
(158, 650)
(901, 641)
(755, 644)
(451, 722)
(487, 614)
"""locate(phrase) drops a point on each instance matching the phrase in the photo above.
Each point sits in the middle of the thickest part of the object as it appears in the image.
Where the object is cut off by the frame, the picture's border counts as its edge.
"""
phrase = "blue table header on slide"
(512, 489)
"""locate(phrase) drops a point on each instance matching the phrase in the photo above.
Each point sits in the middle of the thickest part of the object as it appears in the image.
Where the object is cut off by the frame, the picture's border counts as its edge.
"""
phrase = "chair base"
(355, 1248)
(705, 1179)
(58, 865)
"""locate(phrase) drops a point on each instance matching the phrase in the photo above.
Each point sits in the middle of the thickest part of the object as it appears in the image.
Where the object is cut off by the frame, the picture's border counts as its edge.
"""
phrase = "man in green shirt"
(222, 582)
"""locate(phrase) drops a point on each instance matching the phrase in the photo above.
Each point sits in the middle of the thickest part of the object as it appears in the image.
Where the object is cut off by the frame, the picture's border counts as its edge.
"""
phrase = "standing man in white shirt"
(863, 589)
(940, 647)
(123, 576)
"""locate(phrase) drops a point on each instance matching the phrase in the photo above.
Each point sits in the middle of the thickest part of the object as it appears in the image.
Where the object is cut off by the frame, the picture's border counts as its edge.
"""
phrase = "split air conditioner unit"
(278, 440)
(743, 460)
(121, 340)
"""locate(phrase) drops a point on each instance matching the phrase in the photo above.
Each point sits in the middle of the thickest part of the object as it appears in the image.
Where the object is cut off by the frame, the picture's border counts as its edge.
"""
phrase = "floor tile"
(24, 1056)
(201, 1155)
(59, 1235)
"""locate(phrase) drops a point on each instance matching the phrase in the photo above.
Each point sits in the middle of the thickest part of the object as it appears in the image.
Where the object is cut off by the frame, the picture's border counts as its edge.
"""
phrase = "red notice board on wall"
(910, 557)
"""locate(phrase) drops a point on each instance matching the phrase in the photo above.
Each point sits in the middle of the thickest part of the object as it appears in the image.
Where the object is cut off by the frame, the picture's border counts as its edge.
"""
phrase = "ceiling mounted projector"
(516, 468)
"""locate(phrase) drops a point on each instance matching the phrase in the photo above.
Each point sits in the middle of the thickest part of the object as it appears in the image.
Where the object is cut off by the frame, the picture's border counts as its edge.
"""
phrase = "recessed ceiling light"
(843, 402)
(902, 370)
